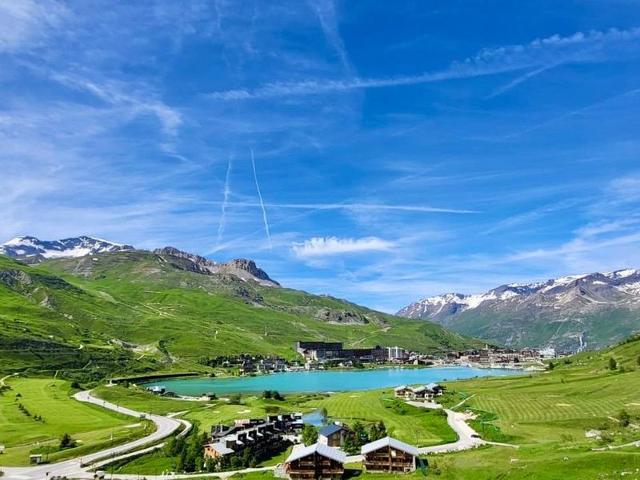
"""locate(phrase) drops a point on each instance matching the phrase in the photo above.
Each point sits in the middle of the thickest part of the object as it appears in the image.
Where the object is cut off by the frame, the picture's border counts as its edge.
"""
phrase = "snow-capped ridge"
(518, 314)
(33, 250)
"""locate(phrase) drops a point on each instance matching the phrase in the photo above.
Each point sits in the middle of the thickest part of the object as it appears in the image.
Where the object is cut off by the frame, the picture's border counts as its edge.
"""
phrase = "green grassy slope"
(133, 311)
(581, 393)
(23, 432)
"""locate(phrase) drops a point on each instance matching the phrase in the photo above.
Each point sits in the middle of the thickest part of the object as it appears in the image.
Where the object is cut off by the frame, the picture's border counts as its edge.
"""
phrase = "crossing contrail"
(264, 210)
(225, 201)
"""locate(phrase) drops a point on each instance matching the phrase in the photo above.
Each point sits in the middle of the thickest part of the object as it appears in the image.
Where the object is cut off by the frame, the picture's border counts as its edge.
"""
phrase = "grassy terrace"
(92, 427)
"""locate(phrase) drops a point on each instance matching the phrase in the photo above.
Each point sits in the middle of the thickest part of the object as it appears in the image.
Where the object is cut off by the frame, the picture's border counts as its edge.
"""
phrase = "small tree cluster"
(189, 451)
(67, 442)
(272, 394)
(360, 435)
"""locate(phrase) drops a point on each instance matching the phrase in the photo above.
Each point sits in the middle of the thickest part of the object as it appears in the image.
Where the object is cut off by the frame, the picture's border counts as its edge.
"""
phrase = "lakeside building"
(321, 352)
(317, 461)
(397, 354)
(389, 455)
(333, 435)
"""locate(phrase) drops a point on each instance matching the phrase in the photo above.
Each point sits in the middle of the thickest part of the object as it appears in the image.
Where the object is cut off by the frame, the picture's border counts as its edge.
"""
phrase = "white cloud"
(325, 246)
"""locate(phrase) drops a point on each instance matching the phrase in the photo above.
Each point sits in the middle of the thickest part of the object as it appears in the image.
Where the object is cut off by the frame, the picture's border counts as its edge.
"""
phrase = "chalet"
(422, 392)
(317, 461)
(333, 435)
(389, 455)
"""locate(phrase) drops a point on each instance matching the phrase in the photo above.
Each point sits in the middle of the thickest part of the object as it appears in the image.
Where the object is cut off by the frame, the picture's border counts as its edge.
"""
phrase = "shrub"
(67, 442)
(613, 365)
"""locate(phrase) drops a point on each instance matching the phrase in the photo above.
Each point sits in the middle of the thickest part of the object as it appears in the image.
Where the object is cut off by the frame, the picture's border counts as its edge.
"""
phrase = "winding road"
(73, 468)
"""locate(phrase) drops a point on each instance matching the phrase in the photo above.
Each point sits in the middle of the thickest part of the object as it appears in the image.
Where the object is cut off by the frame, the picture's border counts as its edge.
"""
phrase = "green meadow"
(48, 412)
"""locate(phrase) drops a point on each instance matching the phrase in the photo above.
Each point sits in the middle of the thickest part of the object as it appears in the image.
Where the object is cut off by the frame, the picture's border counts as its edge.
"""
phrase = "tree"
(325, 414)
(377, 431)
(349, 445)
(613, 365)
(309, 434)
(267, 394)
(67, 442)
(360, 435)
(551, 366)
(624, 418)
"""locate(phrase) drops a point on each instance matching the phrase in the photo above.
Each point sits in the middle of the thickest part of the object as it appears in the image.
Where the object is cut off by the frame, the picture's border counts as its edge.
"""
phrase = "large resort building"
(261, 437)
(389, 455)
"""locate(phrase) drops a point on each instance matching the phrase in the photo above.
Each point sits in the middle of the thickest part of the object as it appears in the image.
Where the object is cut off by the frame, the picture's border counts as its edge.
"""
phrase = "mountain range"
(95, 308)
(570, 313)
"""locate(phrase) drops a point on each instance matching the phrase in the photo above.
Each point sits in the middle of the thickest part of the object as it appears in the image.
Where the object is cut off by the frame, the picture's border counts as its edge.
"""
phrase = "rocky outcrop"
(242, 268)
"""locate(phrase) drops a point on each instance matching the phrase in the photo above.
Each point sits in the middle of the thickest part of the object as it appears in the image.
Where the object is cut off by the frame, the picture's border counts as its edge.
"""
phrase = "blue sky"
(377, 151)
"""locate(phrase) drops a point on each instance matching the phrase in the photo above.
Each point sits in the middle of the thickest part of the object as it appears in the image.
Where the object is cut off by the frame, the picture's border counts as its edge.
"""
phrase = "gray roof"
(221, 448)
(300, 451)
(389, 442)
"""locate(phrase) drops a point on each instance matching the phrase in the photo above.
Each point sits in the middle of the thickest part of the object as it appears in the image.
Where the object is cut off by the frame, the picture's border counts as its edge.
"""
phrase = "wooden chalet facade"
(389, 455)
(317, 461)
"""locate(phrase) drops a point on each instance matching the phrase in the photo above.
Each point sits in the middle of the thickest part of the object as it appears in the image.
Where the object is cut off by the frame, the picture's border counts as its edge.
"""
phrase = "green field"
(560, 405)
(92, 427)
(416, 426)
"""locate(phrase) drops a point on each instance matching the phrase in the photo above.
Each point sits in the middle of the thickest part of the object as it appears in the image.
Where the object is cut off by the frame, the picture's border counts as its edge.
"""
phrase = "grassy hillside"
(38, 425)
(133, 311)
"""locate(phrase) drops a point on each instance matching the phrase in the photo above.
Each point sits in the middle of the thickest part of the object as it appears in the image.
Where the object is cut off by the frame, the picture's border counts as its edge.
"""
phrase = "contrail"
(522, 78)
(264, 211)
(225, 202)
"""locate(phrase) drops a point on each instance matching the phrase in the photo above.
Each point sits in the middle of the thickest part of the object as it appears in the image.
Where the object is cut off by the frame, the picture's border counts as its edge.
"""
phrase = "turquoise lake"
(324, 381)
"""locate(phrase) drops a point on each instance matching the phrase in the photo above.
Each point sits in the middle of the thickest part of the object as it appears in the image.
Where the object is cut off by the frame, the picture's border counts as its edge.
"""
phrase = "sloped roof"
(300, 451)
(401, 387)
(330, 430)
(221, 448)
(433, 386)
(389, 442)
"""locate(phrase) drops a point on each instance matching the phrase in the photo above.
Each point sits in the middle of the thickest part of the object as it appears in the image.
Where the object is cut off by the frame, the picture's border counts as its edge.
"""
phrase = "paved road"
(165, 426)
(467, 436)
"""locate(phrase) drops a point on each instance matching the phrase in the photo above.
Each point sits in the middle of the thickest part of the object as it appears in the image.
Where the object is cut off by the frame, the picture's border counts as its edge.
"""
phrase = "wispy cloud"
(327, 246)
(140, 100)
(26, 23)
(262, 207)
(579, 47)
